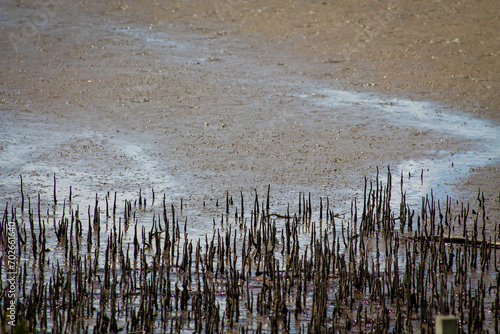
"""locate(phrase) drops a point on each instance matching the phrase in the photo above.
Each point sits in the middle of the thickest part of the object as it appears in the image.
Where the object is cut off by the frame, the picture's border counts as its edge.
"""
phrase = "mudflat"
(194, 98)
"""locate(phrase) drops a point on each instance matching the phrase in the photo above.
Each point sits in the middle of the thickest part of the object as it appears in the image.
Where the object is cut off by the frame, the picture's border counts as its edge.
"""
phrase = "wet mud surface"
(195, 99)
(198, 100)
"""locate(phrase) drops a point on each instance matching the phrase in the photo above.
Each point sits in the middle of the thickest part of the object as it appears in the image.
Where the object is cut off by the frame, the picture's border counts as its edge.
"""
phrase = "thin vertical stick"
(55, 197)
(22, 194)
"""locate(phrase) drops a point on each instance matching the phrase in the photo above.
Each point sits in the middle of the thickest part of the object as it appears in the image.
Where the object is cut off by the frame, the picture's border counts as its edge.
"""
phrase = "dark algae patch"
(136, 266)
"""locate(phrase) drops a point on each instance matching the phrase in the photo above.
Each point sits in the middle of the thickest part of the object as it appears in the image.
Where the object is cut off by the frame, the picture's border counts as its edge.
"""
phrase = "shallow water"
(95, 162)
(195, 114)
(310, 233)
(421, 118)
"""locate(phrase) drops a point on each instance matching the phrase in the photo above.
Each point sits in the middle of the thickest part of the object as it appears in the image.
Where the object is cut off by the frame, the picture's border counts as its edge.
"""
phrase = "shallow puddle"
(420, 118)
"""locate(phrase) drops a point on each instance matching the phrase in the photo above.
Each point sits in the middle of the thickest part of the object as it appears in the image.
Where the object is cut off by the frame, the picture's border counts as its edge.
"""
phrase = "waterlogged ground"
(194, 99)
(190, 99)
(241, 264)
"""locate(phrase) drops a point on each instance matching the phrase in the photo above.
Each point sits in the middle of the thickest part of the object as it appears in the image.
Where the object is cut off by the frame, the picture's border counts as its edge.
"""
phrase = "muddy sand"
(193, 98)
